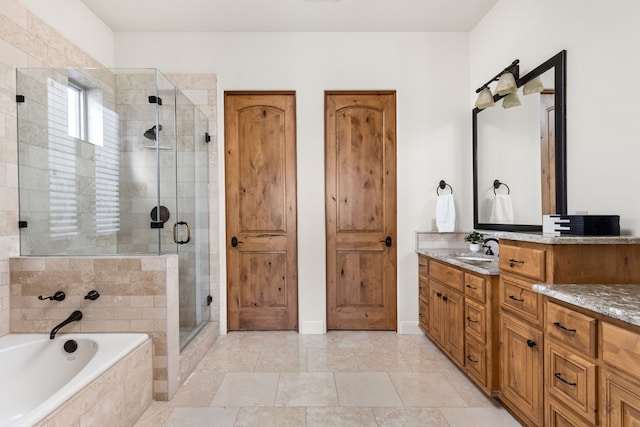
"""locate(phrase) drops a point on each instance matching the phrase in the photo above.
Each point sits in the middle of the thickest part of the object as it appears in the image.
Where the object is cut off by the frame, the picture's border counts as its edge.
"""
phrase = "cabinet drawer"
(446, 274)
(475, 287)
(572, 328)
(517, 296)
(423, 314)
(423, 266)
(557, 415)
(621, 348)
(572, 380)
(523, 261)
(475, 355)
(475, 320)
(423, 287)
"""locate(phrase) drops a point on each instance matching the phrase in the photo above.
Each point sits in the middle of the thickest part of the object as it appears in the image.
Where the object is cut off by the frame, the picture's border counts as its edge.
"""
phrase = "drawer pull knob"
(445, 298)
(564, 328)
(471, 287)
(558, 375)
(471, 320)
(513, 297)
(531, 343)
(513, 262)
(471, 359)
(438, 294)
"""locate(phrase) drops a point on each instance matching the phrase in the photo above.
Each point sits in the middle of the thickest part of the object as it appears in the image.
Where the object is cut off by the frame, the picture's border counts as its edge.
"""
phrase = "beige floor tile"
(307, 389)
(380, 360)
(425, 390)
(470, 393)
(155, 415)
(482, 417)
(191, 417)
(409, 417)
(351, 339)
(247, 389)
(233, 360)
(340, 417)
(283, 359)
(331, 360)
(198, 390)
(366, 389)
(270, 417)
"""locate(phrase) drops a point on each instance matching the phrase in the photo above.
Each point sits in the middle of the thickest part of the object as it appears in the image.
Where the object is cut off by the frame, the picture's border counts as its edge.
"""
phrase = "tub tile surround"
(117, 398)
(137, 294)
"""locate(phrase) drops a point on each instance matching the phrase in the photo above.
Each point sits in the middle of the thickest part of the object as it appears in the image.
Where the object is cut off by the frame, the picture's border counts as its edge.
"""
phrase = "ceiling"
(290, 15)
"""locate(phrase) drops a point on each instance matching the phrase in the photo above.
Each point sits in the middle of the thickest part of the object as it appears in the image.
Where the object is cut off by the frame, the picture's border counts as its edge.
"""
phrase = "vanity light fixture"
(533, 86)
(511, 100)
(485, 99)
(506, 84)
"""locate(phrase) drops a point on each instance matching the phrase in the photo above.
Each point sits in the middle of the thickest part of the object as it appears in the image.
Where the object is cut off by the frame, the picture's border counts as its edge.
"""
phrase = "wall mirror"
(519, 154)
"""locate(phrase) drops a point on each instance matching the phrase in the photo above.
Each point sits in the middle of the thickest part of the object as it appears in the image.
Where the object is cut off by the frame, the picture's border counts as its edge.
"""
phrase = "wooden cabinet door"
(521, 361)
(436, 313)
(260, 159)
(622, 400)
(360, 200)
(454, 326)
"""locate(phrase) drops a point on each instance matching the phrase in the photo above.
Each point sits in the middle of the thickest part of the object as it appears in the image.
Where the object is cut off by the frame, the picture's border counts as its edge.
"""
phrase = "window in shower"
(77, 110)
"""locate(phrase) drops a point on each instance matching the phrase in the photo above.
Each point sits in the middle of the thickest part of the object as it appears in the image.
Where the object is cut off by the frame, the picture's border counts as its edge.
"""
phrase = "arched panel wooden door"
(261, 210)
(360, 167)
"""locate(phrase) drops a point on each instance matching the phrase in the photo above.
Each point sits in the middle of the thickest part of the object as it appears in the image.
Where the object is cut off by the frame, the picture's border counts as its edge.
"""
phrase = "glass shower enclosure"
(115, 162)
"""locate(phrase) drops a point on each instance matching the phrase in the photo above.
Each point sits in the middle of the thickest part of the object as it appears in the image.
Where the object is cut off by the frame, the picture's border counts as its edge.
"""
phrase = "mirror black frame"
(559, 62)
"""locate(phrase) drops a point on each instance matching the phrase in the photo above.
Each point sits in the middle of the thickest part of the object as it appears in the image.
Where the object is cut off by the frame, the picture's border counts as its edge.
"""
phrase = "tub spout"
(75, 316)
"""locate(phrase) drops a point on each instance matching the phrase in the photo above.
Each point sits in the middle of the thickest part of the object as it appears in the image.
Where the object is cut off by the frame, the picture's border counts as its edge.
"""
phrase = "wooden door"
(260, 164)
(622, 400)
(360, 192)
(548, 151)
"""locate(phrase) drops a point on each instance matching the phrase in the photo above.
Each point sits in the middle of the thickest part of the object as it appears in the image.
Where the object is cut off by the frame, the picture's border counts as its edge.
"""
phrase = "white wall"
(76, 22)
(603, 127)
(429, 71)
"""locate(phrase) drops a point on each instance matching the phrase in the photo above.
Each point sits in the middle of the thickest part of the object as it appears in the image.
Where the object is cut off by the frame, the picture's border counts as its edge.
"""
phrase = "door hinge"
(209, 299)
(155, 100)
(19, 98)
(207, 137)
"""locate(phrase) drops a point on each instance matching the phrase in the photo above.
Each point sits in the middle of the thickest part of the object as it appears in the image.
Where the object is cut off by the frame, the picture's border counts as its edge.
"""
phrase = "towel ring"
(497, 184)
(442, 185)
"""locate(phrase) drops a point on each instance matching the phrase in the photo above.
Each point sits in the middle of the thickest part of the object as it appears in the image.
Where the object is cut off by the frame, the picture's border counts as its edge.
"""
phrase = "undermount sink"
(474, 258)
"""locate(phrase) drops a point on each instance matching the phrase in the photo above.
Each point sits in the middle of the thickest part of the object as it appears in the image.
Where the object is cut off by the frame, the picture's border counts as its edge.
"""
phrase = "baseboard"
(409, 328)
(313, 328)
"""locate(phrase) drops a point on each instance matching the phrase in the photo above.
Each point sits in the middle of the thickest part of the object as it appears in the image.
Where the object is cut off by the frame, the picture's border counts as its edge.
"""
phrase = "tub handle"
(58, 296)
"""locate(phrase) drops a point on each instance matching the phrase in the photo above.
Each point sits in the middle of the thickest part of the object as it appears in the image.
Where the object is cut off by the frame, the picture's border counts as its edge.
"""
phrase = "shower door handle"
(175, 232)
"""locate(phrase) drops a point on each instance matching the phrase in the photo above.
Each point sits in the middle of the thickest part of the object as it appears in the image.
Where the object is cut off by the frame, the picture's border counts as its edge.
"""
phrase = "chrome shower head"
(151, 133)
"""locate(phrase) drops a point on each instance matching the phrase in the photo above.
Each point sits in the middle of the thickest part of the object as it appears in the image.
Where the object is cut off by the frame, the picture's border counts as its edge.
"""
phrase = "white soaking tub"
(37, 374)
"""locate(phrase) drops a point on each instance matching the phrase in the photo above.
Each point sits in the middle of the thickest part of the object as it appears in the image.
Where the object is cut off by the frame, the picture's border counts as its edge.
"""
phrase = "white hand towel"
(445, 213)
(501, 210)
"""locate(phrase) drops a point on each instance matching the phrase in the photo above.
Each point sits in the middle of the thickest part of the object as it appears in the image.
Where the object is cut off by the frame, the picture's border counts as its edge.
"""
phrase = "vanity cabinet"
(525, 351)
(457, 310)
(621, 376)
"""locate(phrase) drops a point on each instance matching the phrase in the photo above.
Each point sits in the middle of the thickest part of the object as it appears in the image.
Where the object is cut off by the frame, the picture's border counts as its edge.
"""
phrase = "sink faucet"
(75, 316)
(484, 245)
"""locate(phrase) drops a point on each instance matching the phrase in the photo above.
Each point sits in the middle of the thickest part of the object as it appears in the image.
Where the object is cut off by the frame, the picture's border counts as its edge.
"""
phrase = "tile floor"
(338, 379)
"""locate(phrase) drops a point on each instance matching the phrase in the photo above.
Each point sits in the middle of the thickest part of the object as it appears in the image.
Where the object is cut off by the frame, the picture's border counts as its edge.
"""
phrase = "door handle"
(388, 241)
(235, 242)
(175, 232)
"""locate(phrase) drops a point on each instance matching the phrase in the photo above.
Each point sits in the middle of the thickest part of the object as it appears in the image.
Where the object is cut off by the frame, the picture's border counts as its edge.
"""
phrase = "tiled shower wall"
(25, 41)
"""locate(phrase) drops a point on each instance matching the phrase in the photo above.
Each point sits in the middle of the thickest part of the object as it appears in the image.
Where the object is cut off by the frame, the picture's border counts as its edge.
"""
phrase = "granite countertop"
(488, 268)
(621, 302)
(567, 240)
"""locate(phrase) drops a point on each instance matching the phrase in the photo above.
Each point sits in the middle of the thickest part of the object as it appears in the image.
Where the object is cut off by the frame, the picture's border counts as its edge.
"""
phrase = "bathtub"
(37, 375)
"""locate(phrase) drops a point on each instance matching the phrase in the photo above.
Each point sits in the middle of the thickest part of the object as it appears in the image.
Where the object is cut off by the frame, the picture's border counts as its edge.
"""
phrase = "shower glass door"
(191, 226)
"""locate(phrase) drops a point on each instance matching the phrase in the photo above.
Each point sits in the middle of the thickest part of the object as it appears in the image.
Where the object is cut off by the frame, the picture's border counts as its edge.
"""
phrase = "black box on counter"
(581, 225)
